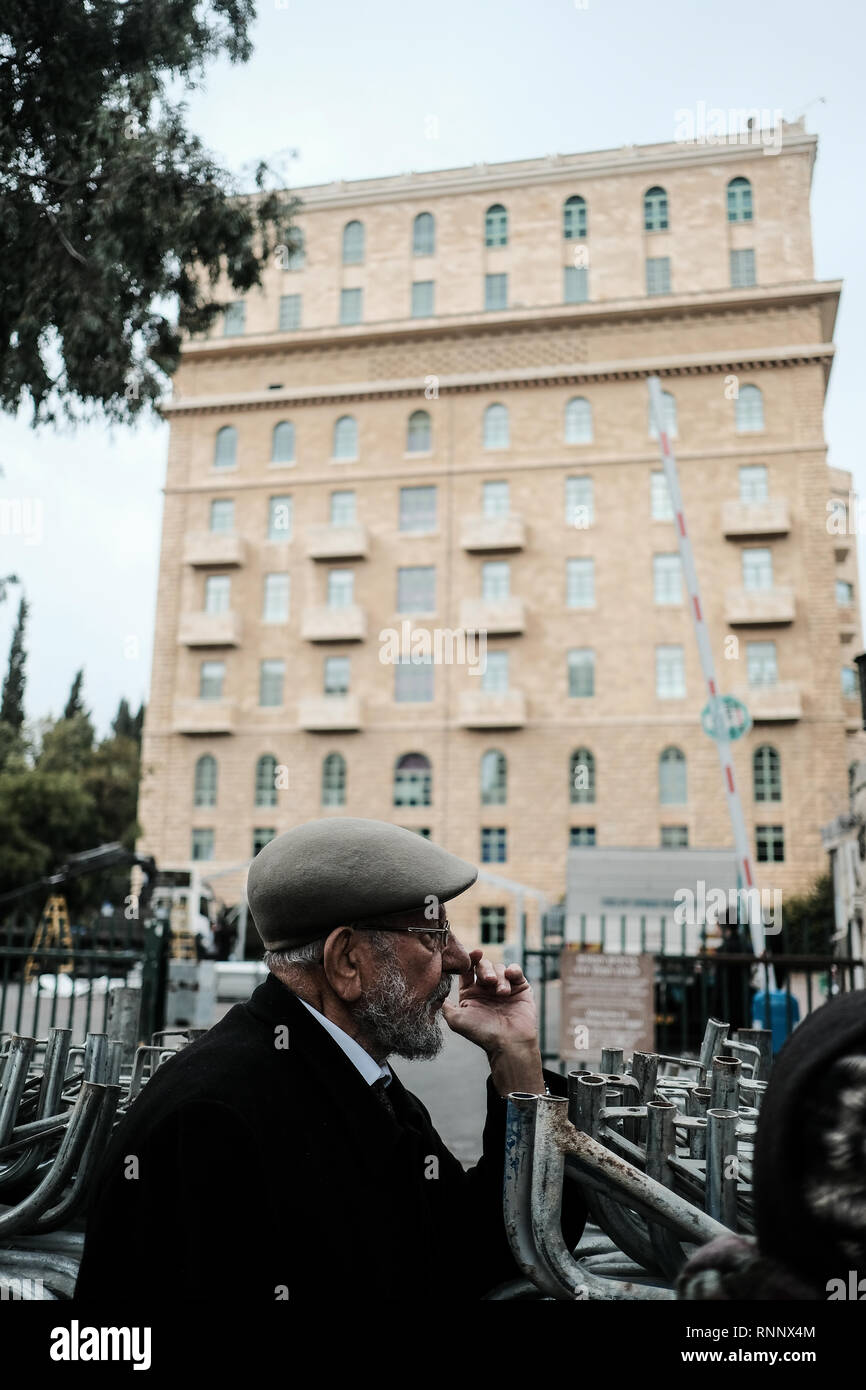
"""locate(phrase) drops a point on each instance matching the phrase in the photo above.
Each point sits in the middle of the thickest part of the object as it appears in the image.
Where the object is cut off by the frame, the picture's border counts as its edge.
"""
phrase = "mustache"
(442, 991)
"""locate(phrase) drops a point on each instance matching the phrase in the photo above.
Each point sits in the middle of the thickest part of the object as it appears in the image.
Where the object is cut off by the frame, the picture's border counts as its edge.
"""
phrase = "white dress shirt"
(369, 1068)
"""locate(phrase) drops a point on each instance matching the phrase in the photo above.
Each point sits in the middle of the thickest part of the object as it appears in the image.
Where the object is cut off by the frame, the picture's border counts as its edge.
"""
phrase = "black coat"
(273, 1171)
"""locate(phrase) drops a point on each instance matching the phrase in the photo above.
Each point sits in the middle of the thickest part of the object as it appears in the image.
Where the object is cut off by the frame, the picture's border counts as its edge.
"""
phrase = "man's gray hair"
(302, 957)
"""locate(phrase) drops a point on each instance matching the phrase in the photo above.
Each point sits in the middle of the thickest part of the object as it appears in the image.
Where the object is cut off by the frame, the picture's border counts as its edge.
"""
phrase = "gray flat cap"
(326, 873)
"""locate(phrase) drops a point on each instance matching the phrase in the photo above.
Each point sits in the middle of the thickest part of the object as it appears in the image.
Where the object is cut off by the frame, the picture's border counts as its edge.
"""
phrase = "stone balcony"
(769, 703)
(204, 716)
(759, 606)
(337, 542)
(324, 624)
(497, 617)
(222, 548)
(330, 713)
(477, 709)
(492, 533)
(848, 626)
(210, 629)
(770, 518)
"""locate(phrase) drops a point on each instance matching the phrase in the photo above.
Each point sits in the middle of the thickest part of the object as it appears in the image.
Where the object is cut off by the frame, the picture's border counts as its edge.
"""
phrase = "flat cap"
(326, 873)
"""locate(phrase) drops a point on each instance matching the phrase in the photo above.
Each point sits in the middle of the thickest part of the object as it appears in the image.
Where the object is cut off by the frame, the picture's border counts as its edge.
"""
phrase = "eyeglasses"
(431, 937)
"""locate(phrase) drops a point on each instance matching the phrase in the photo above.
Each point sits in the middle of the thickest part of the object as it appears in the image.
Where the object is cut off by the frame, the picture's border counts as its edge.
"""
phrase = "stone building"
(434, 417)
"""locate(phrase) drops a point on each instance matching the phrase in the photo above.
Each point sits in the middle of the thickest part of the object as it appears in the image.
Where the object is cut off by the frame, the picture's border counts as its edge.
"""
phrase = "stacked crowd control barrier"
(58, 1106)
(663, 1153)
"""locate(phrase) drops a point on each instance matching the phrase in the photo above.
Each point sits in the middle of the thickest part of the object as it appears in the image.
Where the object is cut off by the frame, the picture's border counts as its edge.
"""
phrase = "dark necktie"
(380, 1091)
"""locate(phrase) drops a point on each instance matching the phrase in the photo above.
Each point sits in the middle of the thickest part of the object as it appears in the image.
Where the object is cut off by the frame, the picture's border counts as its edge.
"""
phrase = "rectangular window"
(350, 306)
(494, 845)
(336, 675)
(496, 291)
(576, 287)
(658, 275)
(279, 519)
(491, 921)
(770, 844)
(413, 682)
(495, 580)
(667, 579)
(210, 680)
(217, 593)
(271, 674)
(234, 318)
(275, 608)
(758, 568)
(495, 499)
(416, 589)
(222, 514)
(290, 312)
(581, 836)
(675, 837)
(422, 299)
(661, 504)
(670, 673)
(342, 508)
(262, 835)
(850, 682)
(581, 673)
(753, 482)
(341, 588)
(580, 583)
(417, 509)
(202, 844)
(579, 502)
(742, 269)
(844, 592)
(761, 666)
(494, 679)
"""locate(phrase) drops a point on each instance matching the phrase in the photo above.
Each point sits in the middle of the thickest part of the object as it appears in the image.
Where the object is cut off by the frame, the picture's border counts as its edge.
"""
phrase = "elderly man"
(279, 1157)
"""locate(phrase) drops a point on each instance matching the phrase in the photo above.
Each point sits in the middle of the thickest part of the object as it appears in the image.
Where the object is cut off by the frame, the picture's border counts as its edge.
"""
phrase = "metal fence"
(691, 987)
(59, 987)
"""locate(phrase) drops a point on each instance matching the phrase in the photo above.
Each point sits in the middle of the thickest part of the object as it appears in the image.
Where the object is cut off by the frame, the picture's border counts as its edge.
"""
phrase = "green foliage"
(67, 746)
(808, 921)
(112, 214)
(125, 724)
(75, 704)
(12, 701)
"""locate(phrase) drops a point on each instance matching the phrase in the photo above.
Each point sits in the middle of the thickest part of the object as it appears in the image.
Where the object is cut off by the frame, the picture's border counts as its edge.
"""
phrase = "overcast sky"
(351, 87)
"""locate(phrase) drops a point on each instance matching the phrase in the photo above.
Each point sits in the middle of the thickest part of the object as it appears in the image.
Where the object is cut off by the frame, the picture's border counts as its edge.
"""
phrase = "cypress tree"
(12, 702)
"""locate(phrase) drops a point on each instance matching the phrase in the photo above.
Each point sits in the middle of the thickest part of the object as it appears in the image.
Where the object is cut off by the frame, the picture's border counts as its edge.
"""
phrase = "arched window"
(669, 407)
(578, 421)
(496, 427)
(581, 777)
(283, 443)
(266, 780)
(419, 438)
(413, 780)
(673, 782)
(574, 217)
(655, 210)
(226, 450)
(353, 243)
(346, 438)
(496, 226)
(494, 778)
(767, 773)
(739, 200)
(334, 780)
(423, 234)
(205, 781)
(749, 409)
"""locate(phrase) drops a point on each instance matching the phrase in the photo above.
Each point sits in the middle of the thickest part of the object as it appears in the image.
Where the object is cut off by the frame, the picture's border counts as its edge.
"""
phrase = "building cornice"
(554, 168)
(399, 331)
(518, 378)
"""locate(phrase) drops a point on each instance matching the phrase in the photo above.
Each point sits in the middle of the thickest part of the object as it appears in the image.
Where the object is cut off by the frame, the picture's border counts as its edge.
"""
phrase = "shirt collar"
(369, 1068)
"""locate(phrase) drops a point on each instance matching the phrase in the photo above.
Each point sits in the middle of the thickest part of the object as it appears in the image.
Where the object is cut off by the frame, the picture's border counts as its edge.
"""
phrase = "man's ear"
(341, 960)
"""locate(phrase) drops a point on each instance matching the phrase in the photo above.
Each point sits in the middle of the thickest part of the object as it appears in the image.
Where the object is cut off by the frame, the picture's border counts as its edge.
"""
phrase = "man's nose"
(455, 957)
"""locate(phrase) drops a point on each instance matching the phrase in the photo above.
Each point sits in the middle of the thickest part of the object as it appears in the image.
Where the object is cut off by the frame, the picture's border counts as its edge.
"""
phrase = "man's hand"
(496, 1010)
